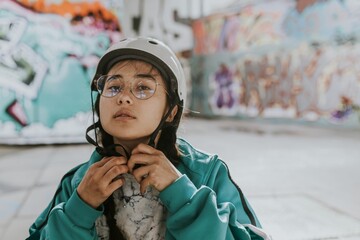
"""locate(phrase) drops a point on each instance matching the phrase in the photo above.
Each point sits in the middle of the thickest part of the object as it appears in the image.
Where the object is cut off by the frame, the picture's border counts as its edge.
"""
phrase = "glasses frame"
(131, 83)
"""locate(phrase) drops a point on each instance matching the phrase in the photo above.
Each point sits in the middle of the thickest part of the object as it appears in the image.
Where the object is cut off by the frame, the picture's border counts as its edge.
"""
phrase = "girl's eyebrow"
(116, 75)
(145, 75)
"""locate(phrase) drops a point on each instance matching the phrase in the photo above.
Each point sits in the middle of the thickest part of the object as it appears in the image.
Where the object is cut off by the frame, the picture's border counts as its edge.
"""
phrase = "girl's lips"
(124, 115)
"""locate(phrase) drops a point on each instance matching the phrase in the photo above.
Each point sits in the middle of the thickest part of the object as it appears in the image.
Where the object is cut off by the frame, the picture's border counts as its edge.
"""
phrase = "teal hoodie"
(204, 203)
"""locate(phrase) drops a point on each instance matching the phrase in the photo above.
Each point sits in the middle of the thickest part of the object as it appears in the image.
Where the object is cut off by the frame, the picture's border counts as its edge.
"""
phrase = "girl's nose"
(125, 97)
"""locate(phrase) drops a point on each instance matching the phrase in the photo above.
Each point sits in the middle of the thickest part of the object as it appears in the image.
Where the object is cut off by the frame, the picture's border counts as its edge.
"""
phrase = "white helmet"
(151, 51)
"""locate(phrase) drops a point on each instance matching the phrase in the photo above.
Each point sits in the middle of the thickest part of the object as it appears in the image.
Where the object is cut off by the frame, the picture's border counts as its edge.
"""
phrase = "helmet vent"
(153, 42)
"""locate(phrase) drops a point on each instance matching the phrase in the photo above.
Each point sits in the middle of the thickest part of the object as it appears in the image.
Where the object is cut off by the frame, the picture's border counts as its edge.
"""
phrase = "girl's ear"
(170, 118)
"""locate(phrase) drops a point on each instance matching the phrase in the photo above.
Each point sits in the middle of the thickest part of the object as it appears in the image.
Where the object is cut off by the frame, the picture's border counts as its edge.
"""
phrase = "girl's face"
(124, 116)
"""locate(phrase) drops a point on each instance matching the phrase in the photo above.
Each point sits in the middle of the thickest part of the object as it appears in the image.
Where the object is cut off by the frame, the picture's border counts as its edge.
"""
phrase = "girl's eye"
(114, 88)
(142, 84)
(142, 88)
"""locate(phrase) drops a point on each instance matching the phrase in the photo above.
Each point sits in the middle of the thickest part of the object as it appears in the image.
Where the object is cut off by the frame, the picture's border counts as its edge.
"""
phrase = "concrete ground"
(302, 181)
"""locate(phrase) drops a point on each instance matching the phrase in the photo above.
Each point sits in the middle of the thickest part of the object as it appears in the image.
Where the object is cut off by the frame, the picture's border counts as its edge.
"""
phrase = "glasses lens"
(109, 86)
(143, 88)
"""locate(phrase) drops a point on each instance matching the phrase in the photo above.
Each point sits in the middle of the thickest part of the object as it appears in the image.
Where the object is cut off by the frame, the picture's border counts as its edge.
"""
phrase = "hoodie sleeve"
(213, 211)
(66, 217)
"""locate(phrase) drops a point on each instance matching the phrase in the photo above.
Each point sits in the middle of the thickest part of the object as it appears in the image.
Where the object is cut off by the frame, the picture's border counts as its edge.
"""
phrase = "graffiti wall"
(294, 60)
(163, 19)
(48, 54)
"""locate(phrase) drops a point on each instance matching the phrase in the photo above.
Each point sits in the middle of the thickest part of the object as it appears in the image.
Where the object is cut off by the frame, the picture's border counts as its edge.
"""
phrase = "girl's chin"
(131, 139)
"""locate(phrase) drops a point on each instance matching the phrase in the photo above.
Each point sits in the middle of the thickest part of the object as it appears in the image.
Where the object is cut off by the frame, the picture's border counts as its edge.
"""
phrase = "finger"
(139, 160)
(113, 161)
(100, 163)
(141, 173)
(94, 168)
(144, 185)
(114, 172)
(113, 186)
(144, 148)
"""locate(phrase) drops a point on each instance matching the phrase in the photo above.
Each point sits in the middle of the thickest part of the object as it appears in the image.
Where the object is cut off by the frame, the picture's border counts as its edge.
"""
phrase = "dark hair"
(166, 144)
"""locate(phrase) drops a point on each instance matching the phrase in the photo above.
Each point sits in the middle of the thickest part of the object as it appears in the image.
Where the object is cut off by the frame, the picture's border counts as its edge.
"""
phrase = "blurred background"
(273, 89)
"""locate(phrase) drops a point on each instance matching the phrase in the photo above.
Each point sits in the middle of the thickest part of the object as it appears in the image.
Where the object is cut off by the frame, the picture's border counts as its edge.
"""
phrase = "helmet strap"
(90, 128)
(160, 126)
(93, 126)
(108, 150)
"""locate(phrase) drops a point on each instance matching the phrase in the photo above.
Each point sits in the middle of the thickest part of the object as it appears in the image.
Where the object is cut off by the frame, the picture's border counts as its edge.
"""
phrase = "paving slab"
(15, 180)
(9, 205)
(299, 217)
(24, 158)
(36, 201)
(18, 229)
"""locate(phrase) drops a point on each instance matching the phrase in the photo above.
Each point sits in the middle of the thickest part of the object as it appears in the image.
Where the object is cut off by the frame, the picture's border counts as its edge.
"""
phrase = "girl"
(142, 182)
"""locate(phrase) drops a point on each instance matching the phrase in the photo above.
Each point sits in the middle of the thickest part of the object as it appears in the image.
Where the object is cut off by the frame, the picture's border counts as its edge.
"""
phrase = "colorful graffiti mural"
(48, 54)
(283, 59)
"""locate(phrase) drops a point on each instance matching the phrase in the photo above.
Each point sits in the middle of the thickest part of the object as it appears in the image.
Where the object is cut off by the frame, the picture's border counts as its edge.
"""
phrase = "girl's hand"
(100, 181)
(155, 169)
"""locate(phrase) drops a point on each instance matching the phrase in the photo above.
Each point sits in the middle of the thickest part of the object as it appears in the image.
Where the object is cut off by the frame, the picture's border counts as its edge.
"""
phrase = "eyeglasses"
(142, 87)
